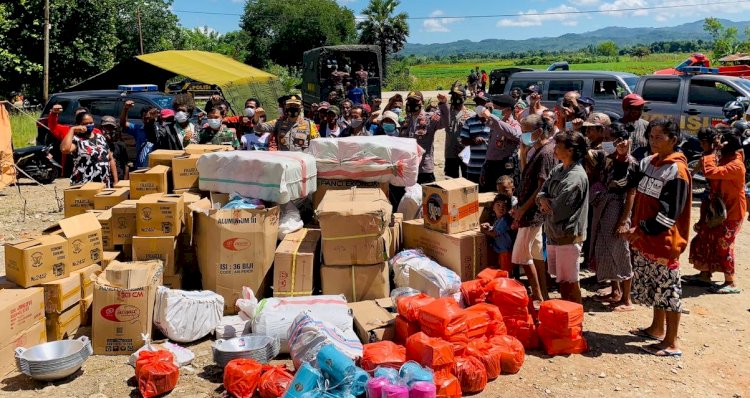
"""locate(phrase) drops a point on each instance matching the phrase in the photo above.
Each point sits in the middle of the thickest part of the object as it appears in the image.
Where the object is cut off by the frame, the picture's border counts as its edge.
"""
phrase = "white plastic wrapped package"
(275, 315)
(182, 355)
(413, 259)
(411, 203)
(375, 158)
(291, 220)
(232, 326)
(308, 334)
(187, 316)
(271, 176)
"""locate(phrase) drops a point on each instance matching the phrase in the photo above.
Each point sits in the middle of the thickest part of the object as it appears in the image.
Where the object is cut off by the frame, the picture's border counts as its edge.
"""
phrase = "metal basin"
(53, 360)
(260, 348)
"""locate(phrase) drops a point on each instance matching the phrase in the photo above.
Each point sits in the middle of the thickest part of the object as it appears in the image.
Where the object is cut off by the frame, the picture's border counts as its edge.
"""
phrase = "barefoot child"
(501, 233)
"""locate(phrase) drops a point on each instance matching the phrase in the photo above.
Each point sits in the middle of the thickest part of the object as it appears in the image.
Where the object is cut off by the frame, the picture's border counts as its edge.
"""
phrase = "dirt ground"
(714, 336)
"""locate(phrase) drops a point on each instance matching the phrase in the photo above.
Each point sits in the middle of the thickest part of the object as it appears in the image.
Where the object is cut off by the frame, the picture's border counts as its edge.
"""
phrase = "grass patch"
(23, 129)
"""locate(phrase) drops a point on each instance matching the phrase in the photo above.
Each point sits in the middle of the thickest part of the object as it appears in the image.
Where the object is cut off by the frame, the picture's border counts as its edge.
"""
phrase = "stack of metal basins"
(54, 360)
(260, 348)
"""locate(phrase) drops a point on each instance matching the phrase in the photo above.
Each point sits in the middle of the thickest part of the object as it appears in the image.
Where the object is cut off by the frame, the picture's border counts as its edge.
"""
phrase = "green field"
(441, 76)
(23, 129)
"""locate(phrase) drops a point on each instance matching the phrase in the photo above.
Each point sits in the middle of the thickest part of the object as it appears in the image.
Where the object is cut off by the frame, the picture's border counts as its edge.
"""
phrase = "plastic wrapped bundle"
(406, 261)
(341, 371)
(308, 335)
(512, 351)
(275, 380)
(271, 176)
(156, 372)
(306, 380)
(187, 316)
(434, 353)
(408, 307)
(377, 158)
(560, 314)
(444, 318)
(241, 377)
(412, 373)
(472, 374)
(509, 296)
(411, 203)
(383, 353)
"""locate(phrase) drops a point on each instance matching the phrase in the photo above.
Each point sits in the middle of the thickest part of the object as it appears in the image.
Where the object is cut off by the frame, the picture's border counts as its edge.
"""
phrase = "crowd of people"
(574, 187)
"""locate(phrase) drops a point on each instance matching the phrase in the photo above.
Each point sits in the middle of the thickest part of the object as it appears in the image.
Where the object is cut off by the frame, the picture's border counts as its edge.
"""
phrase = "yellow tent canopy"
(207, 67)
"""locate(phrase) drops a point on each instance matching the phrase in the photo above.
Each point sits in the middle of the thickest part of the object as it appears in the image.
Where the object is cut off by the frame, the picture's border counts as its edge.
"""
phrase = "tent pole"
(140, 32)
(45, 84)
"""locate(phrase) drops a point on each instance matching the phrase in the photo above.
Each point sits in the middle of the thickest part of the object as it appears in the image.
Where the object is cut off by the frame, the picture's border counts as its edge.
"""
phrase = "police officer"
(293, 131)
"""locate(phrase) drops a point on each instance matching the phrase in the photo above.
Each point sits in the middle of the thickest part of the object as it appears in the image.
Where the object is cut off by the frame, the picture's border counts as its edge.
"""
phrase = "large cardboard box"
(108, 198)
(189, 198)
(356, 282)
(451, 206)
(31, 262)
(36, 334)
(185, 172)
(20, 309)
(465, 253)
(87, 284)
(397, 234)
(122, 314)
(80, 198)
(84, 235)
(235, 248)
(163, 157)
(108, 257)
(159, 215)
(163, 248)
(105, 220)
(122, 184)
(62, 293)
(64, 325)
(86, 306)
(354, 226)
(194, 149)
(373, 320)
(325, 185)
(295, 263)
(123, 222)
(144, 182)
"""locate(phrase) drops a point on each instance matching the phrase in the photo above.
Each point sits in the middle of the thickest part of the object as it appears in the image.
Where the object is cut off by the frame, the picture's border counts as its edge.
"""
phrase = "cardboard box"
(123, 222)
(486, 215)
(144, 182)
(34, 335)
(105, 220)
(62, 293)
(20, 309)
(451, 206)
(194, 149)
(159, 215)
(354, 226)
(86, 306)
(465, 253)
(163, 157)
(108, 257)
(295, 263)
(32, 262)
(64, 325)
(163, 248)
(84, 235)
(185, 172)
(235, 248)
(172, 281)
(397, 234)
(356, 282)
(122, 184)
(121, 315)
(189, 198)
(87, 284)
(373, 320)
(325, 185)
(80, 198)
(108, 198)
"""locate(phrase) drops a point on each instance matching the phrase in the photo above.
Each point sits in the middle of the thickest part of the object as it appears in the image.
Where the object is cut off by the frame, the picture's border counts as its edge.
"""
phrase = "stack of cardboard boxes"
(22, 317)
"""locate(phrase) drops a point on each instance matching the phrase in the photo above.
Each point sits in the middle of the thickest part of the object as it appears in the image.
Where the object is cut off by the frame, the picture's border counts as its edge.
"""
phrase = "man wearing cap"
(632, 108)
(293, 132)
(519, 105)
(329, 127)
(457, 116)
(502, 146)
(422, 126)
(475, 133)
(594, 128)
(116, 146)
(321, 114)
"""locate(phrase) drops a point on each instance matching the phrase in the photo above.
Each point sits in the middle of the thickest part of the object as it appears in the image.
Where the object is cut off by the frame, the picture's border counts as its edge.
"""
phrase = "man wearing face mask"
(502, 146)
(356, 124)
(138, 131)
(475, 133)
(572, 114)
(422, 126)
(458, 115)
(251, 140)
(167, 136)
(293, 132)
(183, 126)
(216, 132)
(118, 148)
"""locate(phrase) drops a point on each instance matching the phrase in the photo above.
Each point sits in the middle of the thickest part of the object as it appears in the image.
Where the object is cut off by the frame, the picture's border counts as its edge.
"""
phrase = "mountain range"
(572, 41)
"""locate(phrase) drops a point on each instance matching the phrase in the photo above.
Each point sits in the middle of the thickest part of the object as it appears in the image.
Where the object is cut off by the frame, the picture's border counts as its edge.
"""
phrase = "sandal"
(641, 332)
(725, 289)
(654, 349)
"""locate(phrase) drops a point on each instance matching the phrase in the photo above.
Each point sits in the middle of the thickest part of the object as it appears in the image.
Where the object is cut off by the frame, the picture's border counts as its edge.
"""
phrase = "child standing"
(500, 231)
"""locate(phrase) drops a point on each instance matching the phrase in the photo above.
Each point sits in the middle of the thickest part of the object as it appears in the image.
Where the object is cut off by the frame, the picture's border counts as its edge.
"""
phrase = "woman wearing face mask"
(184, 127)
(92, 159)
(609, 252)
(388, 124)
(216, 132)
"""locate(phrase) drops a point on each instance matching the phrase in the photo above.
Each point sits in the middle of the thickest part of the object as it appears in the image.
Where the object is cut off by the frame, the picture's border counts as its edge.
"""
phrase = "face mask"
(293, 112)
(356, 123)
(214, 124)
(569, 126)
(526, 139)
(90, 128)
(498, 113)
(608, 147)
(181, 117)
(413, 108)
(396, 111)
(389, 129)
(479, 110)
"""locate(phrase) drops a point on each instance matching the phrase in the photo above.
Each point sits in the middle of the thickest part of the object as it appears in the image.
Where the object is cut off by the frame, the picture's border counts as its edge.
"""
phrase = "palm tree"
(383, 28)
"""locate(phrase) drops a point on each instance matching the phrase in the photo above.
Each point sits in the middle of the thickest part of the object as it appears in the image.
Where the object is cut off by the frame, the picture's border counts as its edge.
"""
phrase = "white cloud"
(587, 2)
(438, 25)
(625, 4)
(687, 8)
(526, 18)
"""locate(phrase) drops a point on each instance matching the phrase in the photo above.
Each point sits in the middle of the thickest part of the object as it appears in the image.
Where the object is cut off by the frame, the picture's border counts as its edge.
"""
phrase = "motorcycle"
(37, 162)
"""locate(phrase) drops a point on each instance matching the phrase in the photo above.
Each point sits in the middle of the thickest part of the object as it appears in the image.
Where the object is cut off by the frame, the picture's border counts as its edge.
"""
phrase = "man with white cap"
(632, 108)
(293, 132)
(422, 126)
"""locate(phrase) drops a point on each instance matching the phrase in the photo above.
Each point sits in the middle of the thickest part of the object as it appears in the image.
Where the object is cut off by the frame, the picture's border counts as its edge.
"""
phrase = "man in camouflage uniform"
(293, 131)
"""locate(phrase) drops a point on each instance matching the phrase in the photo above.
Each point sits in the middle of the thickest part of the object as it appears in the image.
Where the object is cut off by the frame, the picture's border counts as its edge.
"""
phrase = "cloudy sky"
(440, 21)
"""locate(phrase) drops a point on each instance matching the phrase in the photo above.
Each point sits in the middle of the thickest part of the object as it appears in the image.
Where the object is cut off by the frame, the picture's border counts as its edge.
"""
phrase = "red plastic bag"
(489, 274)
(242, 376)
(383, 353)
(509, 296)
(434, 353)
(473, 292)
(571, 342)
(443, 318)
(447, 385)
(560, 314)
(524, 330)
(496, 325)
(404, 328)
(157, 376)
(145, 357)
(513, 353)
(409, 306)
(477, 323)
(471, 373)
(274, 381)
(490, 356)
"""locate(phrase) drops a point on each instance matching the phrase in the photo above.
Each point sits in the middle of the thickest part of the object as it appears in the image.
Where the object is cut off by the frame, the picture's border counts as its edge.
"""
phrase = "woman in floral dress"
(92, 159)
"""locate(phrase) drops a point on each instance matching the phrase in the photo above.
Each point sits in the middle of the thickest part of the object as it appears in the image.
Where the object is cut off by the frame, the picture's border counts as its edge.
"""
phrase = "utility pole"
(45, 84)
(140, 32)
